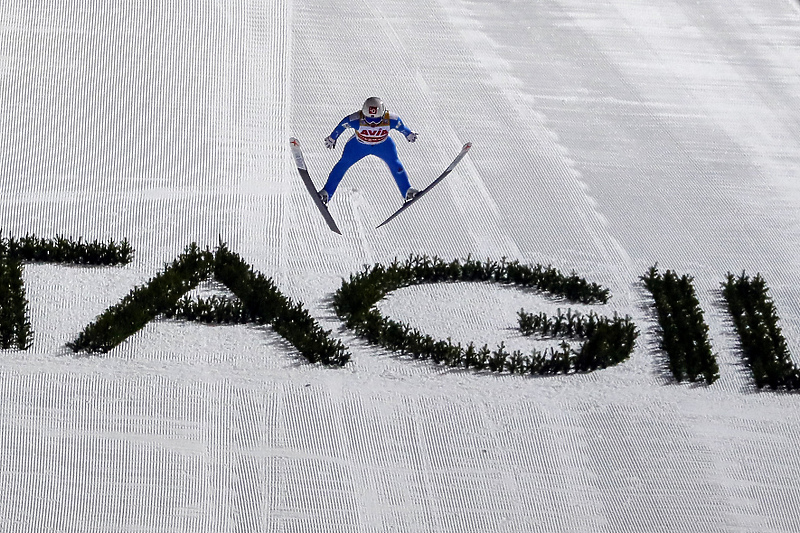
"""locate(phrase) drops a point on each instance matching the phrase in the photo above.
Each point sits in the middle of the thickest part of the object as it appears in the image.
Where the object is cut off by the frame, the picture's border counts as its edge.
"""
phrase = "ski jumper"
(369, 139)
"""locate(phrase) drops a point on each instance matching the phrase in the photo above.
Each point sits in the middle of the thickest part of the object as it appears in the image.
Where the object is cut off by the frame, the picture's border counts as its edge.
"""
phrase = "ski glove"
(412, 136)
(330, 142)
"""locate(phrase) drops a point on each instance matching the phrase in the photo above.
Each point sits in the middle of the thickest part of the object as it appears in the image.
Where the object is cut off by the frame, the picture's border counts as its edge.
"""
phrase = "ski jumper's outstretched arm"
(397, 124)
(350, 121)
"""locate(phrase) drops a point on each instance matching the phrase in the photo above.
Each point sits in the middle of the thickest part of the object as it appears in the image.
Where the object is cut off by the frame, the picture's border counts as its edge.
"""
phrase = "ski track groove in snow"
(606, 137)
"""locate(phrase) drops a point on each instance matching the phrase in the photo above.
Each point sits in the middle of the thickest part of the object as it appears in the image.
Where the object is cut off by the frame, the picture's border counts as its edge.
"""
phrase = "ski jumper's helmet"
(373, 110)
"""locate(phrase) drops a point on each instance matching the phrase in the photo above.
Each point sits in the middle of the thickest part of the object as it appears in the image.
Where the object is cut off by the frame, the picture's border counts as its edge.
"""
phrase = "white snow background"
(608, 136)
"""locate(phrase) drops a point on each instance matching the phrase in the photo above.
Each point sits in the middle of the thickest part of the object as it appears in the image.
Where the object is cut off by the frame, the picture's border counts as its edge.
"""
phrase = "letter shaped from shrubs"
(259, 302)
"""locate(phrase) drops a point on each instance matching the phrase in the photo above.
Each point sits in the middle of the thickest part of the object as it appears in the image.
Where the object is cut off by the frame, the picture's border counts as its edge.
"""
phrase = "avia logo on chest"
(373, 135)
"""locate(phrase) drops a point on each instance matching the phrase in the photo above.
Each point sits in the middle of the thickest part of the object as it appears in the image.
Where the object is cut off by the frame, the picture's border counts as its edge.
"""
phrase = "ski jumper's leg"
(353, 152)
(387, 150)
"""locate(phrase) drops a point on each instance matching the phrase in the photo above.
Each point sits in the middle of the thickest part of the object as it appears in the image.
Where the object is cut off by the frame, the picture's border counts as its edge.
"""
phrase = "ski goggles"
(373, 120)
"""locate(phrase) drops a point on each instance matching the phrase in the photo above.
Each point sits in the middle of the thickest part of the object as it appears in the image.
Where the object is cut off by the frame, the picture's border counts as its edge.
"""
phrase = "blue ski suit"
(369, 139)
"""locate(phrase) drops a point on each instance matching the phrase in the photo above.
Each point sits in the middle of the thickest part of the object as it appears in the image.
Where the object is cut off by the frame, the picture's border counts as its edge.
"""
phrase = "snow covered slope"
(607, 136)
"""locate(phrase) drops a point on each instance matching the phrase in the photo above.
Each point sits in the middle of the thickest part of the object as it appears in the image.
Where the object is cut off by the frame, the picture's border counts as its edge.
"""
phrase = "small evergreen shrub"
(354, 302)
(756, 321)
(15, 327)
(684, 332)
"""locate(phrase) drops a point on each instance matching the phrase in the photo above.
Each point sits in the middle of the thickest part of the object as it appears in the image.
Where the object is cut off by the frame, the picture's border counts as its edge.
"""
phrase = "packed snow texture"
(608, 136)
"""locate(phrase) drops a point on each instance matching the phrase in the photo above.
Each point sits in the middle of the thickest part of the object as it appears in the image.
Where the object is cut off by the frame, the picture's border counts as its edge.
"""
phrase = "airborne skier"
(371, 125)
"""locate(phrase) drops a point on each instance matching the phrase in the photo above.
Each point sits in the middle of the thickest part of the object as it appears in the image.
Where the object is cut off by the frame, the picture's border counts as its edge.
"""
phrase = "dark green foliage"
(368, 287)
(262, 301)
(15, 328)
(608, 342)
(213, 310)
(158, 296)
(763, 344)
(258, 300)
(64, 250)
(355, 303)
(569, 325)
(684, 330)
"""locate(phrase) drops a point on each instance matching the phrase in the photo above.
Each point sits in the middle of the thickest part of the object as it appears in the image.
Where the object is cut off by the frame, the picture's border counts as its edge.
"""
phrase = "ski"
(297, 153)
(422, 193)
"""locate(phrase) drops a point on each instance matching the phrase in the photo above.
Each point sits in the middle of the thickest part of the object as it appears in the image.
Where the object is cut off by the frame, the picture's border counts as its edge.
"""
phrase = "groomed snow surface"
(608, 136)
